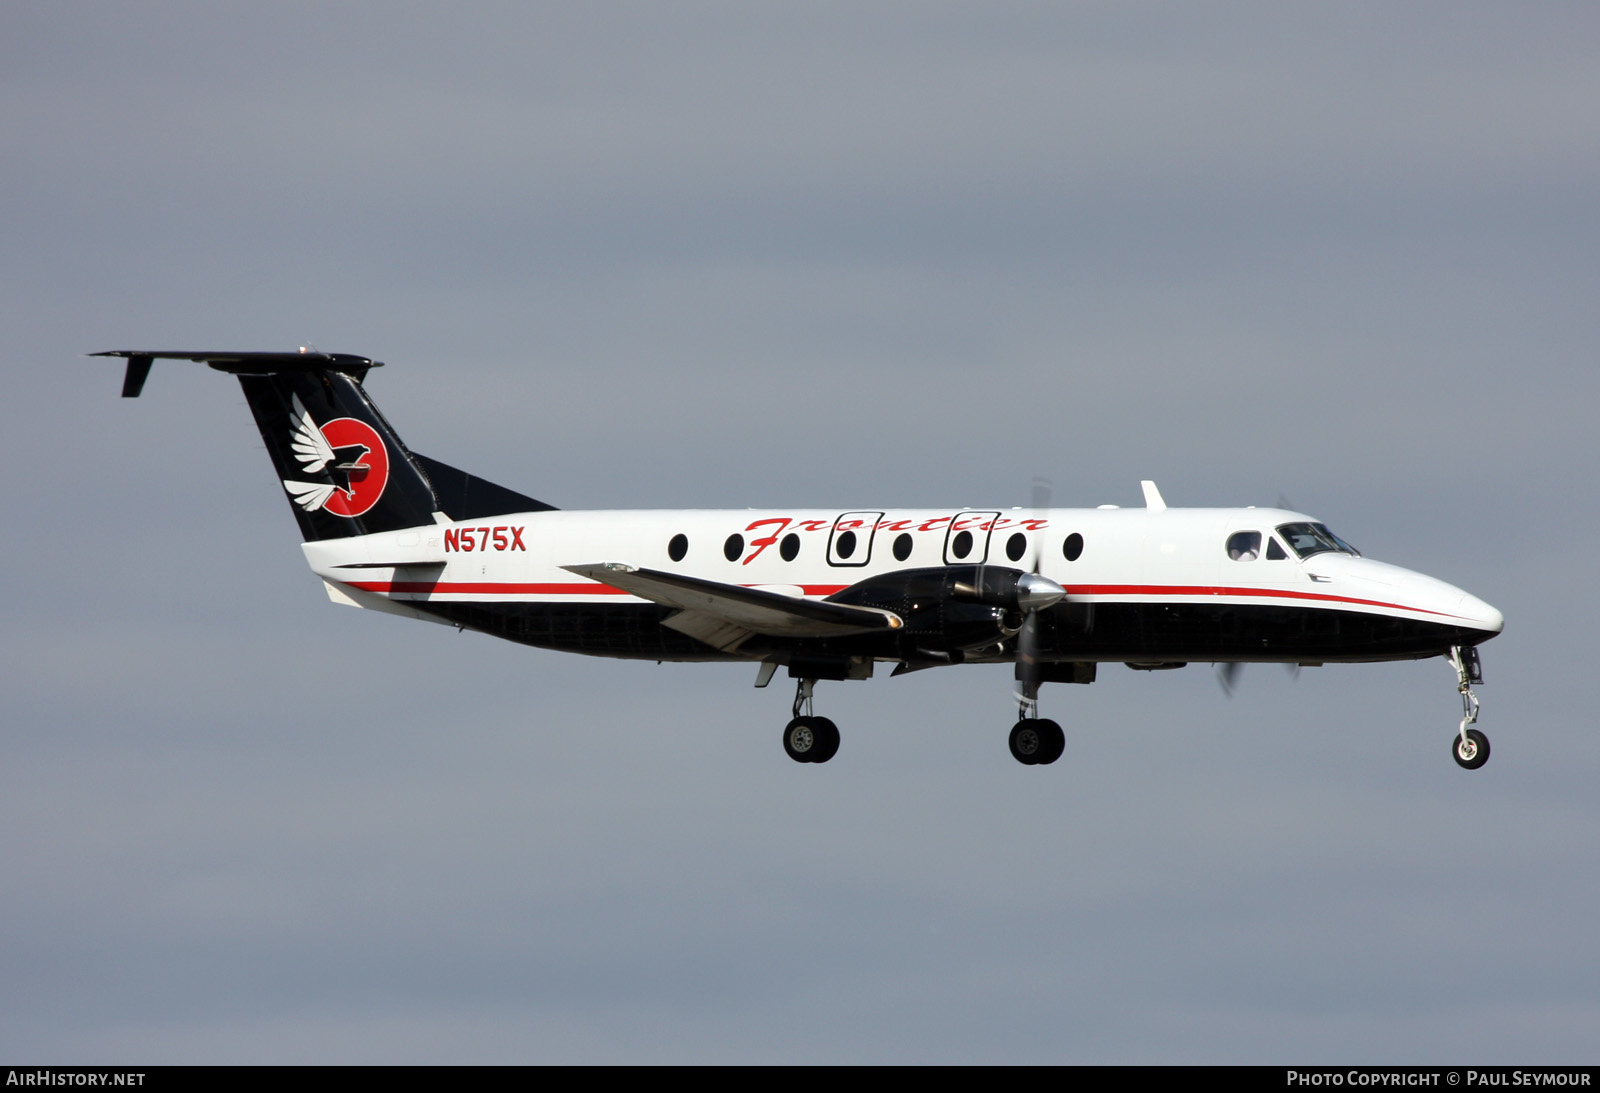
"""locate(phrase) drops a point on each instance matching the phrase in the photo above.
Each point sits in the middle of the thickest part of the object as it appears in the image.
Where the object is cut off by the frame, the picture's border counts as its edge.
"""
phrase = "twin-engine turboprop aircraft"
(831, 595)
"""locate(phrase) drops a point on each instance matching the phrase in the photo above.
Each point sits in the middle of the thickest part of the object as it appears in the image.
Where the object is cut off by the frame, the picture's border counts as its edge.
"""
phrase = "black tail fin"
(345, 470)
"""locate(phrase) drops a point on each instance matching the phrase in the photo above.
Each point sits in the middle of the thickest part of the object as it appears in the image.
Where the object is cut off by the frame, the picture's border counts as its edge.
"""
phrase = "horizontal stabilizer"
(306, 360)
(752, 609)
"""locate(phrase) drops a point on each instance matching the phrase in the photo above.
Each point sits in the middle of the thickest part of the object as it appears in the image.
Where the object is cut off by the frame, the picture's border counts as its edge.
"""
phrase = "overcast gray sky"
(720, 255)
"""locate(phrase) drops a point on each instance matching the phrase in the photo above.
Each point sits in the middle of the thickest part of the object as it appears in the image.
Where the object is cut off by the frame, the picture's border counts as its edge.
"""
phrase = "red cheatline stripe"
(490, 588)
(1207, 590)
(505, 588)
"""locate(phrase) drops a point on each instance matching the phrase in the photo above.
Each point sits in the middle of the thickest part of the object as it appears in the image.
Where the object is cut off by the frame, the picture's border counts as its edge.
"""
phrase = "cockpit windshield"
(1308, 539)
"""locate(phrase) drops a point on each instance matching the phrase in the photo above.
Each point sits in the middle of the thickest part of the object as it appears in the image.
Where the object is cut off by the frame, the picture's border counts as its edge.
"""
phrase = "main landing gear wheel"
(1037, 741)
(811, 739)
(1472, 752)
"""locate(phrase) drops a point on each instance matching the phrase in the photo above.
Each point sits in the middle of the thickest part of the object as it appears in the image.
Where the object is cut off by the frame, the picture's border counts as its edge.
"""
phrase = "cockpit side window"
(1244, 546)
(1275, 553)
(1308, 539)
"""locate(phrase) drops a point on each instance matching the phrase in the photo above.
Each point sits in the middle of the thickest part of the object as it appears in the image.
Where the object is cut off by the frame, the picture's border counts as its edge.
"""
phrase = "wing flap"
(751, 609)
(714, 630)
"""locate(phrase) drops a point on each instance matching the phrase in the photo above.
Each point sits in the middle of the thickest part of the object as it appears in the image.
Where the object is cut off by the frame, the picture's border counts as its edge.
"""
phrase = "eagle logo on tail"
(348, 451)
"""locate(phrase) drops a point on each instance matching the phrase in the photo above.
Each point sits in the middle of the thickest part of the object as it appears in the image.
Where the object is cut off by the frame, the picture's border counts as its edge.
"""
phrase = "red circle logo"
(367, 472)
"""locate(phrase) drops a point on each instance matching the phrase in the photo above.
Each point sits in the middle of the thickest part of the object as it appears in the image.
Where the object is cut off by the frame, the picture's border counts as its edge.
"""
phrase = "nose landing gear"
(1469, 746)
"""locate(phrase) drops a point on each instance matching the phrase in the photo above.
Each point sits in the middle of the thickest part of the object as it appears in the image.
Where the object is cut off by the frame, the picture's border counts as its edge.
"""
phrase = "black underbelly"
(1100, 631)
(1201, 631)
(631, 630)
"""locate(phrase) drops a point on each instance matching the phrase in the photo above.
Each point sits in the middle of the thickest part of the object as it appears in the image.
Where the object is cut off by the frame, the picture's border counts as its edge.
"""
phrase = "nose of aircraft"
(1483, 616)
(1429, 594)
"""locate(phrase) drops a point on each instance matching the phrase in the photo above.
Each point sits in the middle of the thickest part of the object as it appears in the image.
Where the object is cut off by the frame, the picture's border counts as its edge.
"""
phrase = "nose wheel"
(1469, 747)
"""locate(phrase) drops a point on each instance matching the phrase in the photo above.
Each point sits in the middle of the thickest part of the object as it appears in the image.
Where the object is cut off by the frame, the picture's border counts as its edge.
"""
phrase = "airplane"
(826, 594)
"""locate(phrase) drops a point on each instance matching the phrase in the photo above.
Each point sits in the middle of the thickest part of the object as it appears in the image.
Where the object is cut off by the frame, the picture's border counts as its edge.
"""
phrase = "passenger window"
(1244, 546)
(790, 547)
(902, 547)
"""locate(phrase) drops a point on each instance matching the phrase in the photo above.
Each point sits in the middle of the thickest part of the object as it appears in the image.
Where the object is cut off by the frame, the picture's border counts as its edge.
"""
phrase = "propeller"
(1035, 592)
(1228, 673)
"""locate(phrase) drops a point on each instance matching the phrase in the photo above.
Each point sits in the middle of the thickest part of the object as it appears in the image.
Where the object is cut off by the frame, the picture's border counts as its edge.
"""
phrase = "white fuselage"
(1144, 564)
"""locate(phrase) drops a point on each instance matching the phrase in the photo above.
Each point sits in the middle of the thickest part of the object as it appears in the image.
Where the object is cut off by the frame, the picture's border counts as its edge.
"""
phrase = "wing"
(310, 496)
(726, 615)
(310, 446)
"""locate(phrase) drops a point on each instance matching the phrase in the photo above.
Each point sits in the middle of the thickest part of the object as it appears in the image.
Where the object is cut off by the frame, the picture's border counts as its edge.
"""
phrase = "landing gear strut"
(1035, 741)
(1469, 746)
(809, 739)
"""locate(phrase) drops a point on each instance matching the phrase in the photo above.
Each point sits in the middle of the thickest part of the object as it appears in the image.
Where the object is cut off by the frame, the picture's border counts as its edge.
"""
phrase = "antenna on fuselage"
(1152, 496)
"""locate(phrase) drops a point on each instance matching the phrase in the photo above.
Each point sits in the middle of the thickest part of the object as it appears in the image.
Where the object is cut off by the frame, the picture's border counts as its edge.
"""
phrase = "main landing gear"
(1469, 746)
(809, 739)
(1035, 741)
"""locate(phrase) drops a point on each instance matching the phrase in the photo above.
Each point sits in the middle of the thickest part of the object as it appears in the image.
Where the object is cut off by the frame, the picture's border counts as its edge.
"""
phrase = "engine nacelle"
(956, 607)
